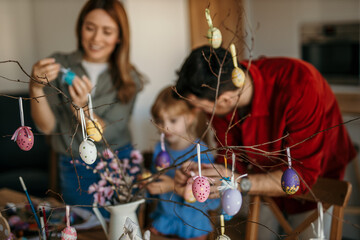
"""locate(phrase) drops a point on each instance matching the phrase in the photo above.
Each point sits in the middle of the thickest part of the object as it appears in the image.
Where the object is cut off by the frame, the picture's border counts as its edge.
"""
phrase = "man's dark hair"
(199, 73)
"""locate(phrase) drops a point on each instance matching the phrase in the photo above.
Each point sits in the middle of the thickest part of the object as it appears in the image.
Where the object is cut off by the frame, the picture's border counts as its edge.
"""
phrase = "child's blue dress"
(175, 219)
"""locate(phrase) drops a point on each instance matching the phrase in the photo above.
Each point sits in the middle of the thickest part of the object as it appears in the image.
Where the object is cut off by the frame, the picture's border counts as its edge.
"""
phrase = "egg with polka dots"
(201, 189)
(25, 138)
(231, 201)
(88, 151)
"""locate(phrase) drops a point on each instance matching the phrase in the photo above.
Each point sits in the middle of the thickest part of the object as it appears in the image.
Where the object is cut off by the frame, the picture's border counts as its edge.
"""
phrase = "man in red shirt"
(284, 103)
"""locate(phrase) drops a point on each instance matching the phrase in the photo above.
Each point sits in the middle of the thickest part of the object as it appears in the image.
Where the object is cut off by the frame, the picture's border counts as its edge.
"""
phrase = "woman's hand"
(43, 71)
(163, 185)
(215, 172)
(79, 90)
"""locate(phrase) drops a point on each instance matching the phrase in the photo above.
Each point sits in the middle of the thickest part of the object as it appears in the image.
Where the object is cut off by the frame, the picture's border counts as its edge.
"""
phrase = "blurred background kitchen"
(324, 32)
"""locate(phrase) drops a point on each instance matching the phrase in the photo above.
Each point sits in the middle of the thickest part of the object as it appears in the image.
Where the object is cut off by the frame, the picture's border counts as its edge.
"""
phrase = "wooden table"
(11, 196)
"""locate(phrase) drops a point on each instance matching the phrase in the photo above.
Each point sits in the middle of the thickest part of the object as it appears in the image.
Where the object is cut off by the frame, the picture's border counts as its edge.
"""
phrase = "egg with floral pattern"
(290, 181)
(201, 189)
(88, 152)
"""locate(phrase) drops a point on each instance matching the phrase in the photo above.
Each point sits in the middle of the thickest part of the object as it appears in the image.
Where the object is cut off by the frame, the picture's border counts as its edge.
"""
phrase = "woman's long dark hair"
(119, 61)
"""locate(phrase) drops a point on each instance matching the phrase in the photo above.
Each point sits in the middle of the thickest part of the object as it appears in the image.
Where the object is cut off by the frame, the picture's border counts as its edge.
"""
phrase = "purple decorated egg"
(231, 201)
(201, 189)
(162, 160)
(25, 138)
(290, 181)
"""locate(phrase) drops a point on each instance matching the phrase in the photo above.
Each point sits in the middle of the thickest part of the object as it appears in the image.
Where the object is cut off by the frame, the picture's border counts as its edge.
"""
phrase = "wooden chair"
(330, 192)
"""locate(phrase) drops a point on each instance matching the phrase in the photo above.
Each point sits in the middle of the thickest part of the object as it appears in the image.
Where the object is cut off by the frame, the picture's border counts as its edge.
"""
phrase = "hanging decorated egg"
(24, 138)
(215, 37)
(213, 34)
(162, 160)
(69, 233)
(68, 76)
(94, 131)
(290, 181)
(231, 201)
(238, 77)
(188, 194)
(88, 152)
(201, 189)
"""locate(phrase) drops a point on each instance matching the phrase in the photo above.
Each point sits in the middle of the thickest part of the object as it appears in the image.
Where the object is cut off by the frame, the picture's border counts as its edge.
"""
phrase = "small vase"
(118, 215)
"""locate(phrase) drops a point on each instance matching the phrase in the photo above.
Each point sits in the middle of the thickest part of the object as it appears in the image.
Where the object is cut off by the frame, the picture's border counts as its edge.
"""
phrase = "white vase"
(118, 215)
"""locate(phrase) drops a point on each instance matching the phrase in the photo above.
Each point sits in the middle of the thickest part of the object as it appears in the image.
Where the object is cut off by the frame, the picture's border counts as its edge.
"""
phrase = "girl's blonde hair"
(166, 102)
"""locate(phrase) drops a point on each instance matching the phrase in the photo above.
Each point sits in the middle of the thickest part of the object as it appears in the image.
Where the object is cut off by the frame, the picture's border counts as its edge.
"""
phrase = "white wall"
(279, 21)
(33, 29)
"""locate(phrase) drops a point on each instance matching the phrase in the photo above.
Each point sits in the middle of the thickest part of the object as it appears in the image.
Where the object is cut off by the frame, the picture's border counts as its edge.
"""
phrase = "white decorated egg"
(88, 152)
(201, 189)
(69, 233)
(215, 37)
(231, 201)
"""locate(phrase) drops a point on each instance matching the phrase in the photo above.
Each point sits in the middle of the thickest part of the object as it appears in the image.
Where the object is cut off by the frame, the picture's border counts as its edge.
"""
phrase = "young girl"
(177, 120)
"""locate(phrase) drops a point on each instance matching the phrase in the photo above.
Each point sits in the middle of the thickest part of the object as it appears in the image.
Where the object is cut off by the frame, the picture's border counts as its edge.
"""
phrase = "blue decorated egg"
(231, 201)
(290, 181)
(162, 160)
(69, 77)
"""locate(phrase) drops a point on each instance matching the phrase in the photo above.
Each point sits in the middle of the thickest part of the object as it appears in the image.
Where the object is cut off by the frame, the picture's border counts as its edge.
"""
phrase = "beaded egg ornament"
(222, 224)
(93, 127)
(67, 75)
(163, 158)
(237, 75)
(231, 199)
(290, 181)
(213, 34)
(87, 148)
(69, 233)
(201, 185)
(23, 136)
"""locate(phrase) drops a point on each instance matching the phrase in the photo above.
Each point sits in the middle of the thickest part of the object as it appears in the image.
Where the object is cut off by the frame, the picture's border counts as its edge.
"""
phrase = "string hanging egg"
(67, 75)
(213, 34)
(231, 199)
(201, 185)
(163, 159)
(87, 148)
(69, 233)
(23, 136)
(93, 127)
(290, 181)
(237, 75)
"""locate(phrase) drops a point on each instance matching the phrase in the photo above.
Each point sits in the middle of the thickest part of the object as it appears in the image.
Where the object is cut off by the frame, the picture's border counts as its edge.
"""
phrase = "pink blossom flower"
(107, 153)
(114, 164)
(134, 170)
(99, 198)
(136, 156)
(108, 192)
(92, 188)
(100, 165)
(102, 182)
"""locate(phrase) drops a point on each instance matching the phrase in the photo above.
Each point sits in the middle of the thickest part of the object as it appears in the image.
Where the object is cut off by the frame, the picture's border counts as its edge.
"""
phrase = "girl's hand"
(215, 172)
(43, 71)
(166, 184)
(79, 90)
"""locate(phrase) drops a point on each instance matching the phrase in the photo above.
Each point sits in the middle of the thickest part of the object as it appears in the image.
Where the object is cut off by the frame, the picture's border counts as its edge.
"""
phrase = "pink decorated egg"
(162, 160)
(290, 181)
(188, 194)
(231, 201)
(69, 233)
(25, 138)
(201, 189)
